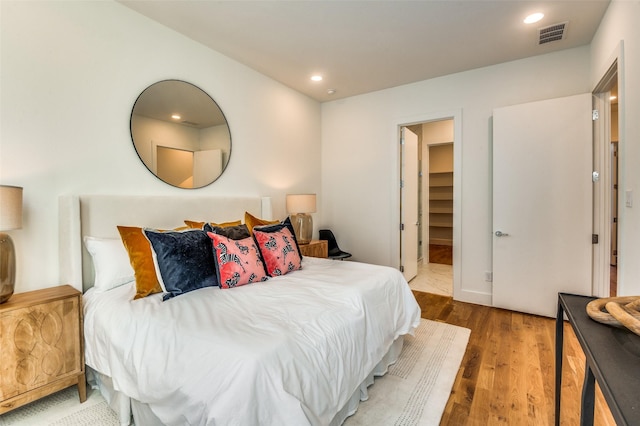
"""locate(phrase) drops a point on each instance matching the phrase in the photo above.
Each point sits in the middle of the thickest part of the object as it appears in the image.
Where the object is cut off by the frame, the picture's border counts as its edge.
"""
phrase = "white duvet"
(289, 351)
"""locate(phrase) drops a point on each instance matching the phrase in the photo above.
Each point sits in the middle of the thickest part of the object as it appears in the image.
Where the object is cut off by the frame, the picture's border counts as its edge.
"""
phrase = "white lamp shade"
(10, 207)
(301, 203)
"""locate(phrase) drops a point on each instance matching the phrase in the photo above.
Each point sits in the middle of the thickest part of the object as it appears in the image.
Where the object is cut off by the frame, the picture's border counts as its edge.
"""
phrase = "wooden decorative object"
(617, 311)
(41, 337)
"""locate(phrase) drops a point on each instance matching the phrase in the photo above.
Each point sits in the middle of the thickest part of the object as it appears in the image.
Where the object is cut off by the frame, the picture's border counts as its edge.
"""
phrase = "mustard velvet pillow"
(141, 260)
(252, 221)
(199, 225)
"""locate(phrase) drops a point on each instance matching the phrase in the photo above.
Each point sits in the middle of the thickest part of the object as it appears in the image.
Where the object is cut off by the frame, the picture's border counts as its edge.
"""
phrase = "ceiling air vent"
(552, 33)
(190, 123)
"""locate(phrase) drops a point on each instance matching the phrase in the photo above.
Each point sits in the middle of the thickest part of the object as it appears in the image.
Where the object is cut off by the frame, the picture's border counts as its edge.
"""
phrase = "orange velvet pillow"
(252, 221)
(199, 225)
(141, 260)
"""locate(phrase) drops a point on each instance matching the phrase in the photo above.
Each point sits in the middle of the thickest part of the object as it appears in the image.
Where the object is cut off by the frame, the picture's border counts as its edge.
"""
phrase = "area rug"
(414, 391)
(63, 408)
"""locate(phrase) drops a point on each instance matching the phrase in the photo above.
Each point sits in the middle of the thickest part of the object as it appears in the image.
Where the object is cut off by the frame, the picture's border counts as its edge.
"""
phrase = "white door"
(542, 203)
(409, 205)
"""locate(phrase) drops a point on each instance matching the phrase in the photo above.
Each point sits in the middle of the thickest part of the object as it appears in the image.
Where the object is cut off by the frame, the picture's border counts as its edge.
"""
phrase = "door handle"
(501, 234)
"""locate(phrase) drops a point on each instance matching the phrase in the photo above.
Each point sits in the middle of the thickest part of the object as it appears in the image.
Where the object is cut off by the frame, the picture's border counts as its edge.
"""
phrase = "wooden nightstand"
(316, 248)
(41, 336)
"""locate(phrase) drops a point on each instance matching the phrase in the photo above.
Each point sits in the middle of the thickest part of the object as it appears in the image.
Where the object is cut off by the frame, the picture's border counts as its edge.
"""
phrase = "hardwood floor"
(440, 254)
(507, 374)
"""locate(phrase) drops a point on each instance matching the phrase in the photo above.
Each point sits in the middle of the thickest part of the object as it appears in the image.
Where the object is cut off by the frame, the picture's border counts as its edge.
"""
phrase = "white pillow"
(110, 262)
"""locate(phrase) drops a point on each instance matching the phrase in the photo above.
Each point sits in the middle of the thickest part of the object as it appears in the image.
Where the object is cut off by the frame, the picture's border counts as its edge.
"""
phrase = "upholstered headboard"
(99, 216)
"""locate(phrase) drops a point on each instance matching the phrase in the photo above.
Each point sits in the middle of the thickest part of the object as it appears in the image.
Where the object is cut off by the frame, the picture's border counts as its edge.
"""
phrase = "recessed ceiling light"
(316, 78)
(176, 117)
(331, 91)
(534, 17)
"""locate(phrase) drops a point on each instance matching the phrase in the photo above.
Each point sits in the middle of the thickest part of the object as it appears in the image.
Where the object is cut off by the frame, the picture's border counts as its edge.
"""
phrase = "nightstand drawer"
(42, 345)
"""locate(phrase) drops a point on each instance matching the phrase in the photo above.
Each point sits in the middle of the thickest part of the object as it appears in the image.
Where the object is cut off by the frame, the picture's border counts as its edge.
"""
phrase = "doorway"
(613, 253)
(435, 228)
(606, 154)
(440, 202)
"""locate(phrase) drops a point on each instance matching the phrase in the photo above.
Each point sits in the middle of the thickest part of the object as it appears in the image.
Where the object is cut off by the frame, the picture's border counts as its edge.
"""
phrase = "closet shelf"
(441, 208)
(440, 225)
(441, 241)
(441, 180)
(441, 197)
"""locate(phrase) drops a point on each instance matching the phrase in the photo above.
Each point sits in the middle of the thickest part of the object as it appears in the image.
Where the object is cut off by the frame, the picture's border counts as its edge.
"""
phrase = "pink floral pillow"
(278, 250)
(237, 261)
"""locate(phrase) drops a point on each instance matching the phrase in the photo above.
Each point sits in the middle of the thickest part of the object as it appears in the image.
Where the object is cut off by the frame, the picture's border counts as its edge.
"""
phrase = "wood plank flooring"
(440, 254)
(507, 374)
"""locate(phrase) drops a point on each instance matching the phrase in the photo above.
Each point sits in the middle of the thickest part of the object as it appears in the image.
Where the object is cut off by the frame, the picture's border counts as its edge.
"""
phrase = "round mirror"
(180, 134)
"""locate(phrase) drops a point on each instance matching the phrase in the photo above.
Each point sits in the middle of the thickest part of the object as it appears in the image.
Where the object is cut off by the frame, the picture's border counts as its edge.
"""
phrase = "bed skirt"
(362, 393)
(131, 411)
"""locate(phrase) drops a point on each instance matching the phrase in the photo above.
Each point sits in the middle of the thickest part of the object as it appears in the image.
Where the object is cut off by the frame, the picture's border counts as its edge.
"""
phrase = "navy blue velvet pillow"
(185, 260)
(238, 232)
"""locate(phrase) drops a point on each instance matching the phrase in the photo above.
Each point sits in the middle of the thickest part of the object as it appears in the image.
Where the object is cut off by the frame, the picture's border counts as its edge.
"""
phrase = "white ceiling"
(363, 46)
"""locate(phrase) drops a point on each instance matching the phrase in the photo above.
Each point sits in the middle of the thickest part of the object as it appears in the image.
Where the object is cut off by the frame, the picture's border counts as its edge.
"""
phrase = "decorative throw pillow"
(237, 261)
(252, 221)
(278, 249)
(141, 260)
(184, 260)
(200, 225)
(110, 262)
(239, 232)
(278, 226)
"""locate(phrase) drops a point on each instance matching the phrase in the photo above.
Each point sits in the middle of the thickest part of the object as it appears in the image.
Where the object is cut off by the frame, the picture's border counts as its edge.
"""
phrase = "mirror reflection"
(180, 134)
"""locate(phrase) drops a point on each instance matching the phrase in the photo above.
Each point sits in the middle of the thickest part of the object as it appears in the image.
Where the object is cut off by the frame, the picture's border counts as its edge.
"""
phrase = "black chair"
(334, 250)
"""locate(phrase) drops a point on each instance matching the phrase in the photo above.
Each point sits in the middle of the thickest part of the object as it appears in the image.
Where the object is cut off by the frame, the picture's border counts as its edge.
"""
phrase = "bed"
(296, 349)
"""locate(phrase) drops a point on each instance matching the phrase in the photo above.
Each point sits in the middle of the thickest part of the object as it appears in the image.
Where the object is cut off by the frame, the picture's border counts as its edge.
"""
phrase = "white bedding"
(289, 351)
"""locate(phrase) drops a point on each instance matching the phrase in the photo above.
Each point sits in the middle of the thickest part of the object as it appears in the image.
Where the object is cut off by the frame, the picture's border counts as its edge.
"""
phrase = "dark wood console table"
(612, 358)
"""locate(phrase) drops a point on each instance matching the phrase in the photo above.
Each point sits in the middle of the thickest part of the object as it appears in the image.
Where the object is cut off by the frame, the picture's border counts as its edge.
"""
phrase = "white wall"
(216, 137)
(148, 133)
(620, 24)
(71, 72)
(360, 165)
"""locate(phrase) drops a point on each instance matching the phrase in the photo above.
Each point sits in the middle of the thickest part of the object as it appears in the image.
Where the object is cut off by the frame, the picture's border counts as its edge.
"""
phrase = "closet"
(441, 207)
(440, 203)
(438, 153)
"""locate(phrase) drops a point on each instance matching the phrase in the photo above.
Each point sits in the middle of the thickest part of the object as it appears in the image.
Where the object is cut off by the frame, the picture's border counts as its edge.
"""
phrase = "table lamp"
(299, 206)
(10, 218)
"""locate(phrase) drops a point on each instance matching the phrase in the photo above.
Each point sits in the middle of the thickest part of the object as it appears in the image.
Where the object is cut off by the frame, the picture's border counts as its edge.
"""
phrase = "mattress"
(289, 351)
